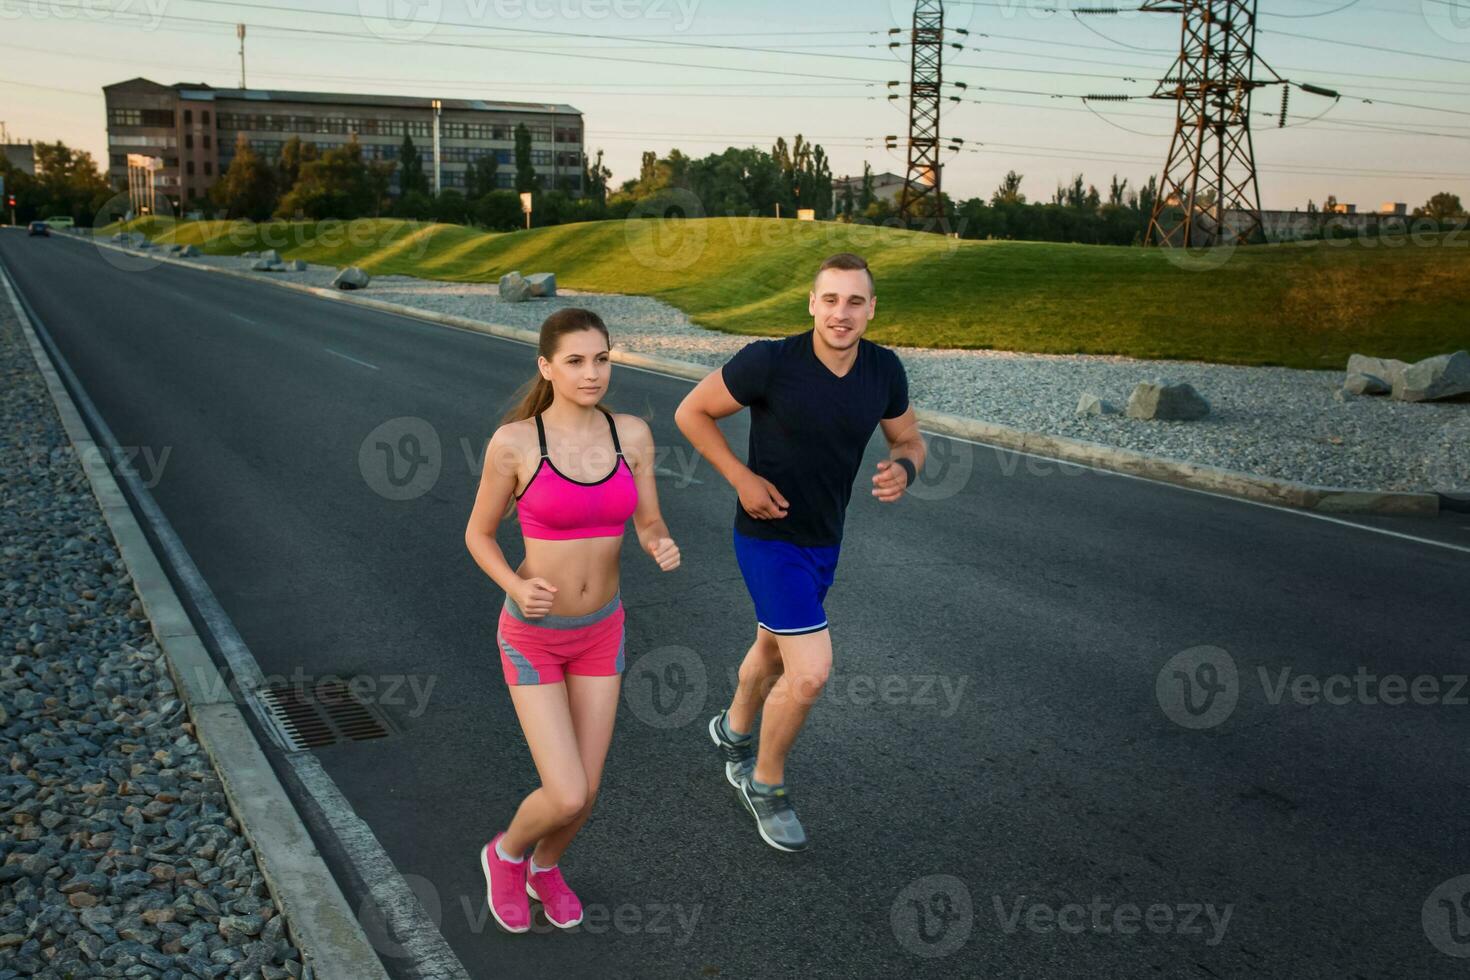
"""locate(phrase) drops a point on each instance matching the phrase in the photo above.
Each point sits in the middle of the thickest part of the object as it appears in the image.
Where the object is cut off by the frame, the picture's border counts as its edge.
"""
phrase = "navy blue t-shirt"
(808, 429)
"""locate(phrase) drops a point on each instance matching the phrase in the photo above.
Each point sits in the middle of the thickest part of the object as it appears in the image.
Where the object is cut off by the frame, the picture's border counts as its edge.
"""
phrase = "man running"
(814, 400)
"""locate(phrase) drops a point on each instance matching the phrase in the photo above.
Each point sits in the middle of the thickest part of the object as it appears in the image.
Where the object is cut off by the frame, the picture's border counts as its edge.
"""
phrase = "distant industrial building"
(21, 156)
(886, 187)
(193, 128)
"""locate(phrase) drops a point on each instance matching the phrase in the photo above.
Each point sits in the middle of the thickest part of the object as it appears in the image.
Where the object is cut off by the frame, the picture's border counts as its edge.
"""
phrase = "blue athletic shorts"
(787, 582)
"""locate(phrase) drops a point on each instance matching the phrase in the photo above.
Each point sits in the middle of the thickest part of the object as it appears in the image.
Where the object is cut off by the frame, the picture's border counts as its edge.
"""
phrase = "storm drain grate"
(324, 714)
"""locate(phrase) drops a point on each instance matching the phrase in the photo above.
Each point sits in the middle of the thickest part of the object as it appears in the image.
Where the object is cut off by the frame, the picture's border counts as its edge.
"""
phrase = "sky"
(701, 75)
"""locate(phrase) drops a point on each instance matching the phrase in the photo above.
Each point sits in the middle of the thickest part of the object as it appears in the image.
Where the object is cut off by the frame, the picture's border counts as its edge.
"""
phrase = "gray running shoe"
(739, 756)
(775, 817)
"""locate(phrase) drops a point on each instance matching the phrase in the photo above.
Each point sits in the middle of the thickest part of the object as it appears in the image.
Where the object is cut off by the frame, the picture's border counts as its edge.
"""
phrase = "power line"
(1367, 47)
(586, 56)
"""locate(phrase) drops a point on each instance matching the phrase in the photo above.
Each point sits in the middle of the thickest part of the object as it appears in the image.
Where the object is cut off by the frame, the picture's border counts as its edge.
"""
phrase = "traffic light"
(10, 200)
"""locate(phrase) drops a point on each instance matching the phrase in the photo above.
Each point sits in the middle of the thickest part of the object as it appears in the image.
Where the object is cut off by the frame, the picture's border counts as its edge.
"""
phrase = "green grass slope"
(1300, 305)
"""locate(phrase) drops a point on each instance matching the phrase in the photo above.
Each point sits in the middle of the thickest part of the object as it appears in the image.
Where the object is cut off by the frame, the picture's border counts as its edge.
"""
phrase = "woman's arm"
(648, 522)
(497, 486)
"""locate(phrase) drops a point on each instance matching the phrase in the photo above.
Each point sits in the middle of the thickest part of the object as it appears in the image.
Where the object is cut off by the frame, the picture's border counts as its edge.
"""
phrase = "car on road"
(38, 228)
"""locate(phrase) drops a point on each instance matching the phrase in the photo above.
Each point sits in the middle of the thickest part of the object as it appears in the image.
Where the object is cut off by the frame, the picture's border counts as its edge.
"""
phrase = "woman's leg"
(547, 721)
(594, 707)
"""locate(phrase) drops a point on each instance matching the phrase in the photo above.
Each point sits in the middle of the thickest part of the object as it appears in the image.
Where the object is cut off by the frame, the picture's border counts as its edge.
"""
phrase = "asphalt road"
(1012, 773)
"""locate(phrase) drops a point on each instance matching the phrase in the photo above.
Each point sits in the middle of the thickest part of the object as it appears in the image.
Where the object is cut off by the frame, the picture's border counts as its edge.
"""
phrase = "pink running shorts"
(545, 650)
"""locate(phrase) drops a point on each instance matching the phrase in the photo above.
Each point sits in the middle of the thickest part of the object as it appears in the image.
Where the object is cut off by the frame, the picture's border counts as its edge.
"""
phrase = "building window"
(452, 130)
(125, 117)
(188, 117)
(504, 180)
(158, 117)
(205, 116)
(207, 141)
(188, 141)
(208, 169)
(505, 156)
(541, 158)
(189, 167)
(568, 158)
(568, 135)
(540, 134)
(119, 159)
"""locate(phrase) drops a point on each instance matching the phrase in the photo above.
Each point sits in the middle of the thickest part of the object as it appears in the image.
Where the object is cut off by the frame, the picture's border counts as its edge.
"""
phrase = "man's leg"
(806, 662)
(760, 669)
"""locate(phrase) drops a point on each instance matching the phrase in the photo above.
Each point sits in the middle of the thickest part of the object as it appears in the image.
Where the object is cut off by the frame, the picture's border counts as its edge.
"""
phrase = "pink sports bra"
(559, 508)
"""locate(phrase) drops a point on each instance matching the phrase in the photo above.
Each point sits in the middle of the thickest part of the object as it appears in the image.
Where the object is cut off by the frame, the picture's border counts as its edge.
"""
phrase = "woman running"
(576, 473)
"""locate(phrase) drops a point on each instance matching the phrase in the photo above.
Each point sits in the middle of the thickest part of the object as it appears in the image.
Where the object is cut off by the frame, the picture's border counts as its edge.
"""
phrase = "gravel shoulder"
(118, 852)
(1284, 423)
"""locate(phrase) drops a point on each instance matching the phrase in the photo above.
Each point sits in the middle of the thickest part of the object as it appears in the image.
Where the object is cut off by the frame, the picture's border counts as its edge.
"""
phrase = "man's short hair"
(846, 260)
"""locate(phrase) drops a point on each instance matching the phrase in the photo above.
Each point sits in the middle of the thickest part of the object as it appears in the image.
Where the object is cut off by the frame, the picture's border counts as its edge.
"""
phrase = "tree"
(1117, 190)
(499, 211)
(526, 177)
(1076, 194)
(293, 154)
(866, 195)
(1148, 196)
(248, 188)
(411, 176)
(67, 182)
(339, 185)
(480, 177)
(451, 208)
(1008, 191)
(847, 203)
(380, 178)
(1441, 207)
(595, 178)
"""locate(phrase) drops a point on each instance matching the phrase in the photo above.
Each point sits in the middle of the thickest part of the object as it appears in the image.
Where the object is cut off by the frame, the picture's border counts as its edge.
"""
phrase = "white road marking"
(243, 319)
(1299, 512)
(352, 359)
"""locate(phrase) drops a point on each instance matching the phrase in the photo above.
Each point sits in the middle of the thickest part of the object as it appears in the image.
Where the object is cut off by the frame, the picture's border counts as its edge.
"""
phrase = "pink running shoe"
(505, 888)
(563, 908)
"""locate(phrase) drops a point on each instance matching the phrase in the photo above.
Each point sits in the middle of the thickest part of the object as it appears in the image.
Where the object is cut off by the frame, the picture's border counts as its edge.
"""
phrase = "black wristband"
(908, 467)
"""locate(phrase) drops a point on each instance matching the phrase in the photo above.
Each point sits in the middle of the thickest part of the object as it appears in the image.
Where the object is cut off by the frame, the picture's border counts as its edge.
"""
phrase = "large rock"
(296, 265)
(1444, 376)
(189, 252)
(263, 265)
(1366, 384)
(542, 283)
(270, 255)
(1090, 404)
(1384, 368)
(350, 278)
(1166, 401)
(514, 288)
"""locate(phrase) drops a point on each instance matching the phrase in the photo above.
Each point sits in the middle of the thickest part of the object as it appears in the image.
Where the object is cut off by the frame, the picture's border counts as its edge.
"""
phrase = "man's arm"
(695, 417)
(905, 441)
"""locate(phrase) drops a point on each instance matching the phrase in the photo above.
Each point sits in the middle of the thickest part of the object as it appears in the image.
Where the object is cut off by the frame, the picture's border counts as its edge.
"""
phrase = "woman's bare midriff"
(583, 570)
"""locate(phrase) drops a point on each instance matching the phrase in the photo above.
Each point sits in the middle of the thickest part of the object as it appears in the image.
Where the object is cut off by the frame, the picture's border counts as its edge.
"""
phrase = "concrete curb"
(319, 920)
(1247, 486)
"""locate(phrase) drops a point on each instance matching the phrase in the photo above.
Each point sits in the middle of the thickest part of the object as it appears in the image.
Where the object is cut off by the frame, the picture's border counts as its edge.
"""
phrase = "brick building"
(193, 128)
